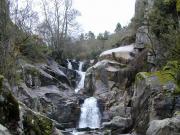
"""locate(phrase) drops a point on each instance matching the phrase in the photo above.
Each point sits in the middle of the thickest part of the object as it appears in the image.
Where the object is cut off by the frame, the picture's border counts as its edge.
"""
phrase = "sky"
(101, 15)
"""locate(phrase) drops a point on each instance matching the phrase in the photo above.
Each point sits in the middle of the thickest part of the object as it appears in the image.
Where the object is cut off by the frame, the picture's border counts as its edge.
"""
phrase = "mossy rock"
(173, 66)
(177, 91)
(170, 73)
(163, 77)
(38, 124)
(178, 5)
(177, 113)
(33, 71)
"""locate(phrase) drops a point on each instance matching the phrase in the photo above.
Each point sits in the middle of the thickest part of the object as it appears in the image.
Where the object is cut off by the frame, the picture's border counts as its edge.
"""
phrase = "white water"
(69, 65)
(90, 114)
(77, 133)
(82, 75)
(80, 66)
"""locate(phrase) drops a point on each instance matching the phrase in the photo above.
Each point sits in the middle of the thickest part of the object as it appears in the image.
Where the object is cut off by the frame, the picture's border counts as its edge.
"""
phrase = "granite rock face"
(49, 89)
(18, 118)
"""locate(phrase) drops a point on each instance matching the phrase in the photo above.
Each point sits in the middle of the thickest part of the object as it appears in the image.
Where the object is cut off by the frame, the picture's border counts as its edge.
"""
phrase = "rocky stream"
(115, 95)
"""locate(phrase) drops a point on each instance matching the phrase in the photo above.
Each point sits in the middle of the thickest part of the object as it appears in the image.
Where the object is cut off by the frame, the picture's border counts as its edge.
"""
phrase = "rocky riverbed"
(122, 93)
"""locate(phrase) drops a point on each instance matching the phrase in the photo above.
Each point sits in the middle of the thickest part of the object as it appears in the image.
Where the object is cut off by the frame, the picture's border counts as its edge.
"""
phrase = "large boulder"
(121, 54)
(168, 126)
(103, 77)
(155, 97)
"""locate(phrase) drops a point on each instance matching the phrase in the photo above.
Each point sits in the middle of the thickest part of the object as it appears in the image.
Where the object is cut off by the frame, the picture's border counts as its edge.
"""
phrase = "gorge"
(132, 88)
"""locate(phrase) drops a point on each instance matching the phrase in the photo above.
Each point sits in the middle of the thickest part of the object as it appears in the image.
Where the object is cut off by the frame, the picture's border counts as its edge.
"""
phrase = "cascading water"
(90, 114)
(80, 66)
(82, 75)
(69, 64)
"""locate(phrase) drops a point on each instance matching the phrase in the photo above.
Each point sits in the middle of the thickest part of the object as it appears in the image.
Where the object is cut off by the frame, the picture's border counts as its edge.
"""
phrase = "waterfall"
(90, 114)
(69, 64)
(80, 66)
(82, 75)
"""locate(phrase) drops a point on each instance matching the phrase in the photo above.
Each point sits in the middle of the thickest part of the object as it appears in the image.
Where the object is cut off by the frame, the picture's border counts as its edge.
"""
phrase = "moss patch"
(33, 71)
(162, 76)
(178, 5)
(170, 73)
(177, 91)
(37, 124)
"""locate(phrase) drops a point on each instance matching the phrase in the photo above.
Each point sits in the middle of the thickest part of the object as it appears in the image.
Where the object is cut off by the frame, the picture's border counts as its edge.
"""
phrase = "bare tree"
(57, 22)
(23, 16)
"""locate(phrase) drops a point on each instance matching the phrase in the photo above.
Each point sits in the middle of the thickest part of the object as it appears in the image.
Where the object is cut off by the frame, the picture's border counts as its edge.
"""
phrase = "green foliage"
(170, 73)
(100, 36)
(34, 49)
(173, 68)
(118, 28)
(163, 21)
(178, 5)
(163, 77)
(90, 35)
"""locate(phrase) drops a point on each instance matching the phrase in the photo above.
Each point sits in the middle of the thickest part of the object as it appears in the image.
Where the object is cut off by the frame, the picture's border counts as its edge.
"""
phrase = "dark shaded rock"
(9, 108)
(75, 65)
(177, 103)
(163, 106)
